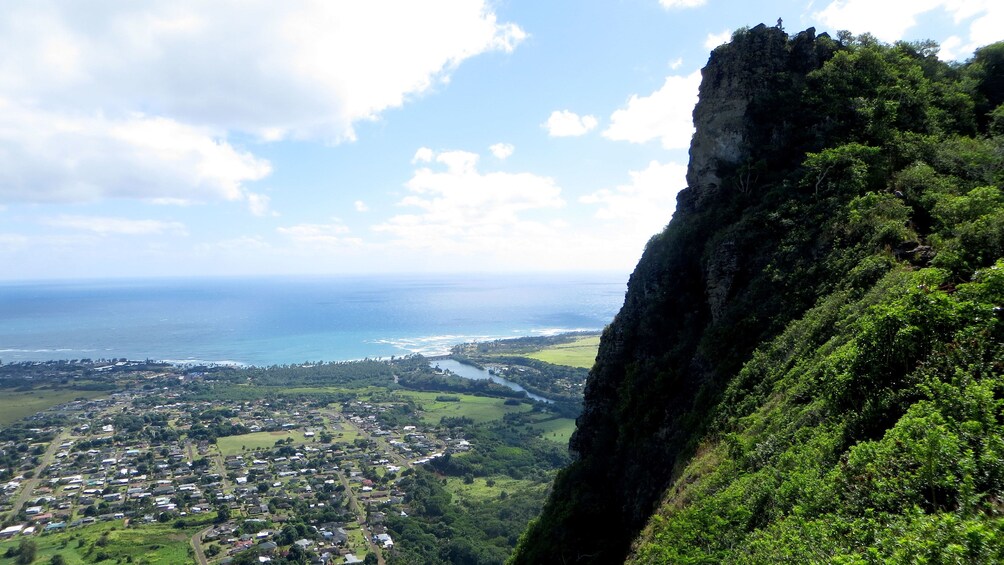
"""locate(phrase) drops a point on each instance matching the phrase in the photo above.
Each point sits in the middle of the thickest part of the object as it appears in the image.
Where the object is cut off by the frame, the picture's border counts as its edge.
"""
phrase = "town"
(317, 474)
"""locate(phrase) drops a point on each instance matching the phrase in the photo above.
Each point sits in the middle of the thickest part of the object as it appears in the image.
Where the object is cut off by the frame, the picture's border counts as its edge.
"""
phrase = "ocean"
(266, 321)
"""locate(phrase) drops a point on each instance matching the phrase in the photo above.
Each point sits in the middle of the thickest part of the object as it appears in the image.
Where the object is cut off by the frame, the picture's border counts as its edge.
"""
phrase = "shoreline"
(112, 362)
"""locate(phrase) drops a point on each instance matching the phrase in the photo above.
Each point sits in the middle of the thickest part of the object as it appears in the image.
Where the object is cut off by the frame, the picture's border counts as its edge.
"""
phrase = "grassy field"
(557, 430)
(578, 353)
(15, 405)
(333, 389)
(149, 543)
(234, 445)
(477, 408)
(357, 541)
(479, 490)
(343, 433)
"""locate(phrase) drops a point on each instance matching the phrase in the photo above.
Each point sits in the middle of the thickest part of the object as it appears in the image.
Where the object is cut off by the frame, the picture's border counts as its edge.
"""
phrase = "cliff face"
(779, 165)
(642, 401)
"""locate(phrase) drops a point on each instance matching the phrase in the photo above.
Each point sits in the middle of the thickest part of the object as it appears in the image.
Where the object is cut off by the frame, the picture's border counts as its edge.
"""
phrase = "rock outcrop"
(658, 364)
(812, 329)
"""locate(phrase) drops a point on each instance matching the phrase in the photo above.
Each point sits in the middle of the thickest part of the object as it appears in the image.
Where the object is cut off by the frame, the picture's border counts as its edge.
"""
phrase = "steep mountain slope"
(825, 296)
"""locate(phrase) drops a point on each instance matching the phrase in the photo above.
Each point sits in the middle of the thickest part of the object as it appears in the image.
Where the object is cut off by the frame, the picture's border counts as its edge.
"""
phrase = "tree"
(222, 513)
(26, 552)
(371, 559)
(57, 559)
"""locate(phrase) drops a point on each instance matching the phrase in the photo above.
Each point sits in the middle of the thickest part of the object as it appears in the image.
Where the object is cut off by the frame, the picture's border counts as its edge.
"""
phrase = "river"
(472, 372)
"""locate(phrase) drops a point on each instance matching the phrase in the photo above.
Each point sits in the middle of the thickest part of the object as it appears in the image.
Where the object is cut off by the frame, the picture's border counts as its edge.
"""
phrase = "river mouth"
(474, 373)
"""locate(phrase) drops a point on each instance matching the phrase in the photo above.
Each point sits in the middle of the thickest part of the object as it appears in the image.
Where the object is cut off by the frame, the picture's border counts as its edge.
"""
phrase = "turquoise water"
(266, 321)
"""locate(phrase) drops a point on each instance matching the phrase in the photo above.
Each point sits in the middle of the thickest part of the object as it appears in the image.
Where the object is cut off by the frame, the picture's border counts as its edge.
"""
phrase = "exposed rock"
(655, 358)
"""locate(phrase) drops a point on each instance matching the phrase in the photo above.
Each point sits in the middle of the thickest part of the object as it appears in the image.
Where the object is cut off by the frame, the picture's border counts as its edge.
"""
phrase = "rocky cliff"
(793, 132)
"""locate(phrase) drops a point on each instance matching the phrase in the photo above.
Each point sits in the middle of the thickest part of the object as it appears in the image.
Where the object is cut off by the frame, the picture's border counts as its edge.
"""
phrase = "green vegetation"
(485, 489)
(809, 366)
(520, 346)
(18, 404)
(871, 421)
(477, 408)
(558, 430)
(235, 445)
(554, 367)
(111, 542)
(463, 529)
(579, 353)
(178, 425)
(510, 447)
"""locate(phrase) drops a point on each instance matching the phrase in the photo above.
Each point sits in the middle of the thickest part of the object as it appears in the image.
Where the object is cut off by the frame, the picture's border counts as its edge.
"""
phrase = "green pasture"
(147, 543)
(477, 408)
(479, 491)
(578, 353)
(16, 404)
(234, 445)
(557, 430)
(330, 389)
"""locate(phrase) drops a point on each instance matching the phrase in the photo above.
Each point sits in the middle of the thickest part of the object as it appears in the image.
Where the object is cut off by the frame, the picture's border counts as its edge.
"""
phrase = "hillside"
(808, 363)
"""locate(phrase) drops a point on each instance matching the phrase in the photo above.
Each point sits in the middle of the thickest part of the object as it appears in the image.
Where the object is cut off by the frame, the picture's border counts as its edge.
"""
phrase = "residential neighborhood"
(273, 474)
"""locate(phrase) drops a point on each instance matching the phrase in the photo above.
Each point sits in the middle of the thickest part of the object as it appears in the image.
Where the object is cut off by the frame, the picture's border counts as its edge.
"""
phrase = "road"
(200, 556)
(361, 518)
(28, 486)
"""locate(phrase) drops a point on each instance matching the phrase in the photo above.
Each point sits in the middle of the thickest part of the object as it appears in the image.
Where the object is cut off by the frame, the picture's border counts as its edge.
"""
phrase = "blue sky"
(180, 138)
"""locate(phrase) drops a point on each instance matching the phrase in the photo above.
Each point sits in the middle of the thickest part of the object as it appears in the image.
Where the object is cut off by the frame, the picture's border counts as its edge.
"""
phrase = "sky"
(236, 138)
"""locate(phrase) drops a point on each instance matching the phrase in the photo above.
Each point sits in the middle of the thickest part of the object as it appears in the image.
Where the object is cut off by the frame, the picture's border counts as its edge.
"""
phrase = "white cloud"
(274, 69)
(116, 226)
(458, 163)
(952, 49)
(258, 204)
(325, 235)
(715, 39)
(987, 21)
(423, 155)
(669, 4)
(563, 123)
(644, 206)
(47, 156)
(360, 206)
(666, 114)
(676, 63)
(138, 99)
(889, 20)
(886, 20)
(502, 151)
(986, 28)
(461, 210)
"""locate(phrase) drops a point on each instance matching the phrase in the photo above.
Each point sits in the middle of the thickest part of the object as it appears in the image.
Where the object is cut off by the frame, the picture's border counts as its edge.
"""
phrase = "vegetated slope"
(808, 362)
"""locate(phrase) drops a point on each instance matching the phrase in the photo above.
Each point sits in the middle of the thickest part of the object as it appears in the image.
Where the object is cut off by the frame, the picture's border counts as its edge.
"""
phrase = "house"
(42, 517)
(384, 539)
